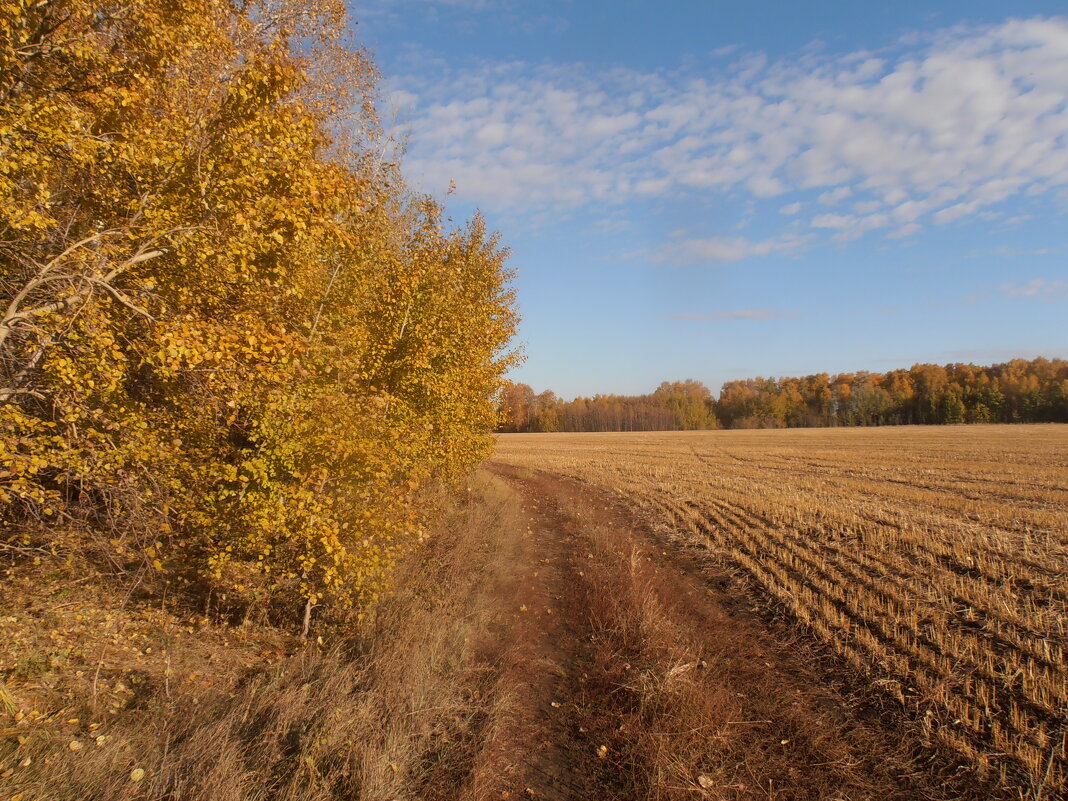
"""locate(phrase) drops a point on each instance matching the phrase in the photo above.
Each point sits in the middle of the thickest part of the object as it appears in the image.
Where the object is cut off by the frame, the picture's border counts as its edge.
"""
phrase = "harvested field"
(932, 561)
(787, 616)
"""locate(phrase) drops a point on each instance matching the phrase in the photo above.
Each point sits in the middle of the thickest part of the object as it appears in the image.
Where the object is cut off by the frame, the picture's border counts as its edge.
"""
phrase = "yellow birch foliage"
(233, 345)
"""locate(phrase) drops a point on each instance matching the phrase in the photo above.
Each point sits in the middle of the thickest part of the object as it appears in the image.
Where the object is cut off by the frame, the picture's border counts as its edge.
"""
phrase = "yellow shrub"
(233, 345)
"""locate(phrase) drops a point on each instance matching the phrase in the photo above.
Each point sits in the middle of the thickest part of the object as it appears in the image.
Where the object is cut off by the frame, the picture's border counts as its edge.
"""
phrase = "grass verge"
(110, 697)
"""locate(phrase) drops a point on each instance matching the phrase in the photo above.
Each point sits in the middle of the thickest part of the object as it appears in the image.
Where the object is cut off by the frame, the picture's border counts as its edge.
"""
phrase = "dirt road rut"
(629, 667)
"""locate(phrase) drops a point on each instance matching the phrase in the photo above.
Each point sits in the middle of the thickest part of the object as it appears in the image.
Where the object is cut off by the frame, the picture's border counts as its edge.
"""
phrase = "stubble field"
(932, 561)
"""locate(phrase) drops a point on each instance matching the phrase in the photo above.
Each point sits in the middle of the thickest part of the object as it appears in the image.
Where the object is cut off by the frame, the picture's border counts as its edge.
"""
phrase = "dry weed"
(393, 709)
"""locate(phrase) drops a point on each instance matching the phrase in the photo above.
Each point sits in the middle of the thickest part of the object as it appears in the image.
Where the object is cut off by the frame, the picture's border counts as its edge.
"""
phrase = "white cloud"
(835, 196)
(1037, 288)
(904, 231)
(612, 225)
(956, 211)
(1017, 219)
(836, 221)
(722, 249)
(930, 132)
(1020, 252)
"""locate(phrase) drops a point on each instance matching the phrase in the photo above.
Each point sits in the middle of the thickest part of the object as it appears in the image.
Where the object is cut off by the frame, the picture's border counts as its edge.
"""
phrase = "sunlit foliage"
(1019, 391)
(233, 344)
(674, 406)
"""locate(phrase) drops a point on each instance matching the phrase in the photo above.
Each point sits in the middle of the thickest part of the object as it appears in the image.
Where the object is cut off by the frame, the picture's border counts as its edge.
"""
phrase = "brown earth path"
(467, 683)
(548, 643)
(537, 748)
(631, 667)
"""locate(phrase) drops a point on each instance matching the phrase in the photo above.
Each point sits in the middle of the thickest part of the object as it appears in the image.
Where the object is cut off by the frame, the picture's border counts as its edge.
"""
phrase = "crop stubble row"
(933, 560)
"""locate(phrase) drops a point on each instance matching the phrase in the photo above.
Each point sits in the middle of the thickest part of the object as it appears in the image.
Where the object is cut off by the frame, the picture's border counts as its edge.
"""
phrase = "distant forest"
(1019, 391)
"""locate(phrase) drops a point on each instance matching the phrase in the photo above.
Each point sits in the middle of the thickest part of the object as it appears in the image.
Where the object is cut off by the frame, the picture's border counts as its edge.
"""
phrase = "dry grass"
(930, 561)
(392, 709)
(680, 728)
(933, 561)
(695, 698)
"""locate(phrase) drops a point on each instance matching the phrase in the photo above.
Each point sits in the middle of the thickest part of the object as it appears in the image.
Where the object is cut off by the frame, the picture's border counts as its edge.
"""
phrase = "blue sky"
(719, 190)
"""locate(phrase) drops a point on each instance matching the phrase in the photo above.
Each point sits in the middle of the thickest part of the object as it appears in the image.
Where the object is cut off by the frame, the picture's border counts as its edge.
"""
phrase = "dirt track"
(635, 668)
(548, 643)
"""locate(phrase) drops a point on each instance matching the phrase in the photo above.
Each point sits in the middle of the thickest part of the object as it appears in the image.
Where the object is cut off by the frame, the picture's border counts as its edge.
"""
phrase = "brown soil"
(655, 676)
(548, 644)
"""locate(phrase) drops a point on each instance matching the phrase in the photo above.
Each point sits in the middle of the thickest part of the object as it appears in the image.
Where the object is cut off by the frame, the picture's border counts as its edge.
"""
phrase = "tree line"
(1018, 391)
(233, 345)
